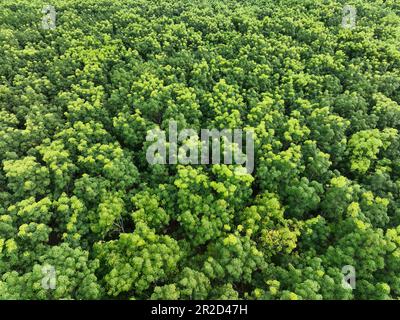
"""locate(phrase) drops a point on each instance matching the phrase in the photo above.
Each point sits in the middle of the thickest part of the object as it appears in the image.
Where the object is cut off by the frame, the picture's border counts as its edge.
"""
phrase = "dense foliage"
(76, 191)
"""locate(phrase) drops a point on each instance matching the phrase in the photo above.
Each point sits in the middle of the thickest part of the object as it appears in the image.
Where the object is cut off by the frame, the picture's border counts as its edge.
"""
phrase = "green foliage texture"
(77, 193)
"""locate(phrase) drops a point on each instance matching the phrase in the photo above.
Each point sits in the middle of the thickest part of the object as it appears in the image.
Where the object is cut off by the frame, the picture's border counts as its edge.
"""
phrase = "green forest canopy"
(76, 192)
